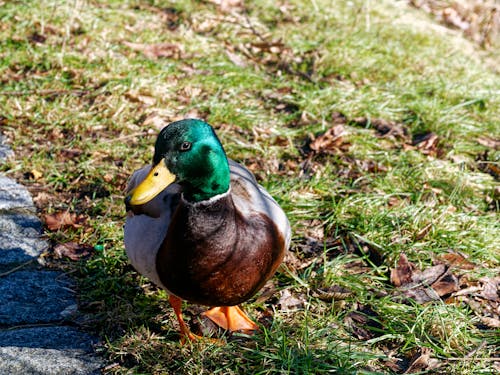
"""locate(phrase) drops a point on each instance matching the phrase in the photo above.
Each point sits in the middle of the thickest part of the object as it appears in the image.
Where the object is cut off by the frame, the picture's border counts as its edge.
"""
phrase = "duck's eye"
(185, 146)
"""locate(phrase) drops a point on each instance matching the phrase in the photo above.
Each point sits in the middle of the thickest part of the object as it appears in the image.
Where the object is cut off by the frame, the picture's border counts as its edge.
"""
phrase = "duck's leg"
(231, 318)
(176, 304)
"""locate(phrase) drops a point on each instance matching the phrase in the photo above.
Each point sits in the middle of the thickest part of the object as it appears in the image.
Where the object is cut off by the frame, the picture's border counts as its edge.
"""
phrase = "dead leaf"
(430, 275)
(63, 219)
(155, 120)
(333, 292)
(331, 142)
(37, 38)
(422, 361)
(457, 260)
(427, 143)
(36, 174)
(70, 153)
(487, 165)
(424, 231)
(490, 321)
(446, 284)
(403, 273)
(491, 288)
(489, 142)
(267, 291)
(384, 128)
(289, 302)
(108, 177)
(422, 294)
(172, 17)
(451, 17)
(364, 323)
(236, 59)
(423, 286)
(293, 263)
(155, 51)
(72, 250)
(42, 198)
(137, 97)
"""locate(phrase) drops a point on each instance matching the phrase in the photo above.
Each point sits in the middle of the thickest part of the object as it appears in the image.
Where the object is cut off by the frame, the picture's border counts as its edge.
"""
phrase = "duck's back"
(249, 196)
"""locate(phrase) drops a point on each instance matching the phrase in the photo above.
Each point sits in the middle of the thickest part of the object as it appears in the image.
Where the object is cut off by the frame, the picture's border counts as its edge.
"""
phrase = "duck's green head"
(187, 152)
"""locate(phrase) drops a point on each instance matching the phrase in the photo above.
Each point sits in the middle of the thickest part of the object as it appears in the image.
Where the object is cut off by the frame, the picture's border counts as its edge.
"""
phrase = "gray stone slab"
(52, 337)
(16, 360)
(47, 350)
(19, 238)
(30, 297)
(5, 151)
(13, 196)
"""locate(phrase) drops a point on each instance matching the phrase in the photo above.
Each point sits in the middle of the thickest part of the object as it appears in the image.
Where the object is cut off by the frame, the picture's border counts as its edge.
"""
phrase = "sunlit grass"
(82, 107)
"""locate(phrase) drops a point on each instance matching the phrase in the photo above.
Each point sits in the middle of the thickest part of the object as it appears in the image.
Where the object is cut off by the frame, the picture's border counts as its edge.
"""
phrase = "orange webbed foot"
(231, 318)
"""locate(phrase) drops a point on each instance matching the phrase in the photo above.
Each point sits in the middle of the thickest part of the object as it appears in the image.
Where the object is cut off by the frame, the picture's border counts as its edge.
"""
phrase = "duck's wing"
(143, 234)
(249, 197)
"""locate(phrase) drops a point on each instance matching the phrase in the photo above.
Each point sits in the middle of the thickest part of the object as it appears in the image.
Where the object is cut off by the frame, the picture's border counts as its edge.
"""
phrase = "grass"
(81, 107)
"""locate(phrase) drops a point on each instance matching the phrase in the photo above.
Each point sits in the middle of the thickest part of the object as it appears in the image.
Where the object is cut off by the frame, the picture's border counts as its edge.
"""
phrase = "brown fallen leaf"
(289, 302)
(331, 142)
(393, 365)
(143, 98)
(490, 321)
(452, 18)
(403, 272)
(423, 286)
(155, 51)
(69, 153)
(491, 288)
(420, 294)
(63, 219)
(457, 260)
(446, 284)
(385, 128)
(333, 292)
(236, 59)
(427, 143)
(34, 174)
(267, 291)
(37, 38)
(489, 142)
(364, 323)
(488, 164)
(430, 275)
(155, 120)
(72, 250)
(422, 361)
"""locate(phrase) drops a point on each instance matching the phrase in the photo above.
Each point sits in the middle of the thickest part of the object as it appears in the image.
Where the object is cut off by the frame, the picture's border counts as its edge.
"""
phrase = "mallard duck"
(201, 227)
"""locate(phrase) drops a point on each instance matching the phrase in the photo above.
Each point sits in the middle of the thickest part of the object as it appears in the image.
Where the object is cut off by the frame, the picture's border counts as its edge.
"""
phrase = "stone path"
(36, 304)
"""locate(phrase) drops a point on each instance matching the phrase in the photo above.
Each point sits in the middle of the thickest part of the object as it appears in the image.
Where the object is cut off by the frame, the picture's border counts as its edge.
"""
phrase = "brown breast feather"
(215, 256)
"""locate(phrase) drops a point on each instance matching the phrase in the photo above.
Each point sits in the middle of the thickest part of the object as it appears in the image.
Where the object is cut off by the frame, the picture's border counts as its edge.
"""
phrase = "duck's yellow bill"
(155, 182)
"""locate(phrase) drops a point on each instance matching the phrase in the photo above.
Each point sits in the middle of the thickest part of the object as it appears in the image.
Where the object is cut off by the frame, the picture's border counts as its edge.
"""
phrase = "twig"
(473, 352)
(254, 31)
(15, 268)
